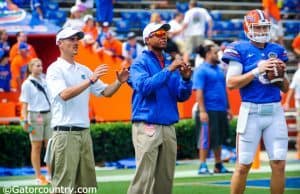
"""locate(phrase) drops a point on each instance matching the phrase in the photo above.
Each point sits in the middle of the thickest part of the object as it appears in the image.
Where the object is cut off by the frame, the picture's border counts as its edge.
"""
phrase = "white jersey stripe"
(261, 14)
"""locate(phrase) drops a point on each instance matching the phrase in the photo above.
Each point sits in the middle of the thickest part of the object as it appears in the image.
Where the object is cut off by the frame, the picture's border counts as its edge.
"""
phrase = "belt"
(68, 128)
(41, 112)
(44, 111)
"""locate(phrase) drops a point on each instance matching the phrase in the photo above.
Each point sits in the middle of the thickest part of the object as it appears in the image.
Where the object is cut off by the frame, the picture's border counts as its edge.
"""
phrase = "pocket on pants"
(149, 130)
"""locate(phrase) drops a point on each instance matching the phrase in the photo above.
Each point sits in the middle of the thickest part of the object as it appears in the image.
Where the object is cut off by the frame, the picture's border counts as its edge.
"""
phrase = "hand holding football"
(276, 74)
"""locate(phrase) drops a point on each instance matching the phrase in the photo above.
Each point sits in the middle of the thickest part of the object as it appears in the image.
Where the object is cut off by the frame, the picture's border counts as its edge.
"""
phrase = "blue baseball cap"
(23, 46)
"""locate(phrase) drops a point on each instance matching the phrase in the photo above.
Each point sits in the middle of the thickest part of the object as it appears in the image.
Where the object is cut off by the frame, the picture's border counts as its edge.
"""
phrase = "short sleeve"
(25, 92)
(198, 79)
(55, 82)
(231, 53)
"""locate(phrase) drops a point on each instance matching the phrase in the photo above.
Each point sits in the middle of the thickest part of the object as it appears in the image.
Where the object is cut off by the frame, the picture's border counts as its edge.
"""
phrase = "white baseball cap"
(74, 9)
(87, 17)
(67, 33)
(152, 27)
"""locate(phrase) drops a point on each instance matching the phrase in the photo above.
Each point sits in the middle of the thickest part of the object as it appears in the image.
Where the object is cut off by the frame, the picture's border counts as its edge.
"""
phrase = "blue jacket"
(156, 91)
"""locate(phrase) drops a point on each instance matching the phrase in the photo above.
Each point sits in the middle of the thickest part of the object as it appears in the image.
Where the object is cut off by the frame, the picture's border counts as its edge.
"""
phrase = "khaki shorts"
(41, 125)
(72, 160)
(192, 42)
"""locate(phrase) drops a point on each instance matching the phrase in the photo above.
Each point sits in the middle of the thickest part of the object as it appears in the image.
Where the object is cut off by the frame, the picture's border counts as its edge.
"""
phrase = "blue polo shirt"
(211, 80)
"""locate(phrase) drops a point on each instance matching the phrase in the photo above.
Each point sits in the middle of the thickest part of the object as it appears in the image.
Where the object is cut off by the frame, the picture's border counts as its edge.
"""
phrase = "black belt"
(44, 111)
(41, 112)
(68, 128)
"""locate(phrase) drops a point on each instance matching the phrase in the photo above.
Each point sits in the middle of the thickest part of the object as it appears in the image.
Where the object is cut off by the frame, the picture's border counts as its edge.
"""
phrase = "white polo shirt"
(75, 111)
(33, 96)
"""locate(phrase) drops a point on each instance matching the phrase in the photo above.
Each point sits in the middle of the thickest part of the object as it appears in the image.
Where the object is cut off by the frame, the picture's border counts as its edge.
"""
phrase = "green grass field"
(194, 184)
(198, 185)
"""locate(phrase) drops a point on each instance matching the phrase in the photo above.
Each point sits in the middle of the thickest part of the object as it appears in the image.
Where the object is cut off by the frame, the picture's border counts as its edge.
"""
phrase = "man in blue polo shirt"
(209, 83)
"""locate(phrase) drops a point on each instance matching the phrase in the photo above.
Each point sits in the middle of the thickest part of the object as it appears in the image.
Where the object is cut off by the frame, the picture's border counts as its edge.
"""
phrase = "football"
(276, 75)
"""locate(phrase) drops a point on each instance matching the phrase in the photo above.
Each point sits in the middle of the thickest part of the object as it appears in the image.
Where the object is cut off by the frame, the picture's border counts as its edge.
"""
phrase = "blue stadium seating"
(56, 16)
(182, 7)
(51, 6)
(216, 15)
(290, 6)
(237, 24)
(166, 16)
(143, 15)
(129, 16)
(122, 26)
(223, 26)
(291, 27)
(223, 29)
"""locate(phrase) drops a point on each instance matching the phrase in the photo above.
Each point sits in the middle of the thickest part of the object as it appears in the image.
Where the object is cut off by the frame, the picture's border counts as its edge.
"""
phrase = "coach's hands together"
(177, 63)
(186, 72)
(185, 69)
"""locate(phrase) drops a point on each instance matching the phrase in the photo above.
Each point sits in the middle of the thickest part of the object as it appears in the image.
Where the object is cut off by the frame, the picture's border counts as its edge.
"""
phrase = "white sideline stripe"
(116, 178)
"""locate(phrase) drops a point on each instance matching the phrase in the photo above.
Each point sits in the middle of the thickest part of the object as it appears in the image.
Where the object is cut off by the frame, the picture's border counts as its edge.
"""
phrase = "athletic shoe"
(203, 169)
(41, 180)
(48, 178)
(220, 168)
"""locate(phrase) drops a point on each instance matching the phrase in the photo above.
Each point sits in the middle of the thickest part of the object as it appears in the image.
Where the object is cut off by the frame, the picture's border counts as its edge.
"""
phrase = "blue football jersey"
(249, 55)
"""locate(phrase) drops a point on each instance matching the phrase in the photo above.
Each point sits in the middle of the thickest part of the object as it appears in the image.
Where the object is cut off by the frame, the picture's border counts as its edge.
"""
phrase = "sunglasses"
(158, 34)
(72, 38)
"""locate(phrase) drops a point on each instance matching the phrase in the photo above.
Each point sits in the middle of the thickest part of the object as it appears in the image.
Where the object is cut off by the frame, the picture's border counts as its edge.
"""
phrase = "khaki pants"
(298, 114)
(155, 148)
(72, 160)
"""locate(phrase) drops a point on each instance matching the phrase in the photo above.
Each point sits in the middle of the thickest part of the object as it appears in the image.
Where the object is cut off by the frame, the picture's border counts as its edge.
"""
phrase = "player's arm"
(234, 78)
(202, 110)
(285, 85)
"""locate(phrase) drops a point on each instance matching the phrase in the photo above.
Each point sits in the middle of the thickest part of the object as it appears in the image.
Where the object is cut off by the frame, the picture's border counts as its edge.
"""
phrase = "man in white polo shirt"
(70, 84)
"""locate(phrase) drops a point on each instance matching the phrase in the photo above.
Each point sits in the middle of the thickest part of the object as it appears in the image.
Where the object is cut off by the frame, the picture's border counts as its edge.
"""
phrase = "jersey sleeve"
(232, 53)
(282, 55)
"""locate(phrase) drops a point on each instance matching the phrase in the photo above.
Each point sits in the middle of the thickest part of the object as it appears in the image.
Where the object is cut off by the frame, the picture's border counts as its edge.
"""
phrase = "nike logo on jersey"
(250, 55)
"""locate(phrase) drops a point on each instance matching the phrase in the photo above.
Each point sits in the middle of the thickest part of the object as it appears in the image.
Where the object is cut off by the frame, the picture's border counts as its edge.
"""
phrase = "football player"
(261, 114)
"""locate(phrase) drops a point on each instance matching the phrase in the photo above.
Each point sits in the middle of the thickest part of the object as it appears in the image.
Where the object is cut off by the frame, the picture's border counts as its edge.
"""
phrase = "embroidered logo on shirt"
(272, 55)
